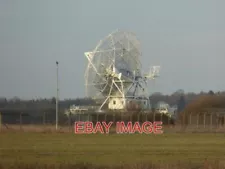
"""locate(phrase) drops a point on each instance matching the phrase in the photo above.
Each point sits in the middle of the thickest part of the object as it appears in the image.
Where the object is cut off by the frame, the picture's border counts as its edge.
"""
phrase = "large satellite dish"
(113, 72)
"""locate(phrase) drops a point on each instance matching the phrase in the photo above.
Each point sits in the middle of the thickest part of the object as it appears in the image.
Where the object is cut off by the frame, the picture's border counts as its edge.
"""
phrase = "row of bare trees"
(189, 102)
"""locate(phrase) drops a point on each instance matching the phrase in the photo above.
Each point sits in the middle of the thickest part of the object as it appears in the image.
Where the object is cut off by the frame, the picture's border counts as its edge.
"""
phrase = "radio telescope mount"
(114, 73)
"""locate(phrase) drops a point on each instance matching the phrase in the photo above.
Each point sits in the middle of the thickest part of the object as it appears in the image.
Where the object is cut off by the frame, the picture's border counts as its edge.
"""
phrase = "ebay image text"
(147, 127)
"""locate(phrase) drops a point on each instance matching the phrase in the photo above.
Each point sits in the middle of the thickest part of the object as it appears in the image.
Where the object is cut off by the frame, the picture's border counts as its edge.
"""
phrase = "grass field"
(110, 150)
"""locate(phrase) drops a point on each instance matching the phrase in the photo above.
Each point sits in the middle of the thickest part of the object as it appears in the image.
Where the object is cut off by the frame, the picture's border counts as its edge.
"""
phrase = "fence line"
(186, 121)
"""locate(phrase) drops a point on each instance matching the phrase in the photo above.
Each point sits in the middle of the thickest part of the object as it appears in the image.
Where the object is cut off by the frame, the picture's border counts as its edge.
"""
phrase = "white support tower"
(114, 75)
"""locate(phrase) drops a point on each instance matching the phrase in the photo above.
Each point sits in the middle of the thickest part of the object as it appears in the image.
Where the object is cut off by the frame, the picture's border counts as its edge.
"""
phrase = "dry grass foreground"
(67, 150)
(204, 165)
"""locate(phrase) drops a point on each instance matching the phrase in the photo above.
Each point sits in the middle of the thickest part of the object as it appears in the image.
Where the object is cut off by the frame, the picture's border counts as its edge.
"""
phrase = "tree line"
(178, 98)
(36, 107)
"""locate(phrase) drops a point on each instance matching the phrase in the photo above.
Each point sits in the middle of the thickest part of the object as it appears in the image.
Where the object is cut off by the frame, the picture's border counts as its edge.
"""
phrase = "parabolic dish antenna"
(113, 72)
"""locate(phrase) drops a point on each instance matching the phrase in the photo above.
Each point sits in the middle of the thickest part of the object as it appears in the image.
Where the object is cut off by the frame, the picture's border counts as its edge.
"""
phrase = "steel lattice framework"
(114, 68)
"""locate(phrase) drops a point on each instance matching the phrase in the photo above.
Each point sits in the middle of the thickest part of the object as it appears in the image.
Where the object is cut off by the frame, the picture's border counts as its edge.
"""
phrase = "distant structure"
(114, 76)
(164, 108)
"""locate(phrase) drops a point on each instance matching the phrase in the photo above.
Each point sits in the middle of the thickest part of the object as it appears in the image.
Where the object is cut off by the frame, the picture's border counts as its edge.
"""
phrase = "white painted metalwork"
(114, 71)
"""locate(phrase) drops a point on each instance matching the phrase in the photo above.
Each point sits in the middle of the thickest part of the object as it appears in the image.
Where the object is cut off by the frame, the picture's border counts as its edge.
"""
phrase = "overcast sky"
(187, 38)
